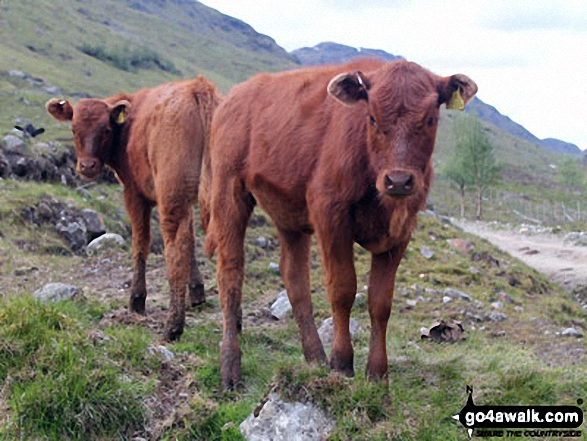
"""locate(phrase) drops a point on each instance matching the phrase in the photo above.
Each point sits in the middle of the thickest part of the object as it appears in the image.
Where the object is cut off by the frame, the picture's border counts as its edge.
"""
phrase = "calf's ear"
(349, 88)
(456, 91)
(59, 109)
(120, 112)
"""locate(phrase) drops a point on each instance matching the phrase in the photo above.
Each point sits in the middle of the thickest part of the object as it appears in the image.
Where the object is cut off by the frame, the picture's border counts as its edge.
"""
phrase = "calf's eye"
(430, 122)
(372, 121)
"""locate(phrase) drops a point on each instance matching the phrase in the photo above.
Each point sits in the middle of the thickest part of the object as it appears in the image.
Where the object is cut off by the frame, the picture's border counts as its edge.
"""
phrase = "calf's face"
(401, 114)
(95, 125)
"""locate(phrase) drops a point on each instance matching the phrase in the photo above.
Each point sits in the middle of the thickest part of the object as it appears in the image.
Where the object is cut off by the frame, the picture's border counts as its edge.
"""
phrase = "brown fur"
(313, 164)
(157, 152)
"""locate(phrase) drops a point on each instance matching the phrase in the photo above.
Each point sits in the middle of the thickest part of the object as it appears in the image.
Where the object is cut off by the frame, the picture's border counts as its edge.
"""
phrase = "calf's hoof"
(343, 365)
(137, 303)
(197, 295)
(230, 368)
(172, 332)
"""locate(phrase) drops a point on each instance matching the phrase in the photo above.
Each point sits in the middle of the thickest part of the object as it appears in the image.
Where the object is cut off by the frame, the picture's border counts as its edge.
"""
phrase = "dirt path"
(561, 262)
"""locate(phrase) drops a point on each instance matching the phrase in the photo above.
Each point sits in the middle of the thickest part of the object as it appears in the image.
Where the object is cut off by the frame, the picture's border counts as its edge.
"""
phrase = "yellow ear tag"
(456, 101)
(120, 119)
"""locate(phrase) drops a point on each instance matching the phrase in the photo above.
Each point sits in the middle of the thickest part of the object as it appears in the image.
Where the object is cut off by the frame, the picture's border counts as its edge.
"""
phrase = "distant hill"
(332, 53)
(491, 115)
(329, 53)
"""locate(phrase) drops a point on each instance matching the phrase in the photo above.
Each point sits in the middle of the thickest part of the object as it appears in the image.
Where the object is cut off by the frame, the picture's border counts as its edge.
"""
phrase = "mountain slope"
(327, 53)
(45, 38)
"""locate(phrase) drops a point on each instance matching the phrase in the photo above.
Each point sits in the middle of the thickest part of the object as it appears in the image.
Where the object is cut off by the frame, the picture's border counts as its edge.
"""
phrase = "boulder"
(105, 242)
(326, 330)
(282, 421)
(56, 292)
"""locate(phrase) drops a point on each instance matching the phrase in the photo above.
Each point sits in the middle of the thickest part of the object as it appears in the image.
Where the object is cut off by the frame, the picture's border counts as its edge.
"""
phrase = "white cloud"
(527, 56)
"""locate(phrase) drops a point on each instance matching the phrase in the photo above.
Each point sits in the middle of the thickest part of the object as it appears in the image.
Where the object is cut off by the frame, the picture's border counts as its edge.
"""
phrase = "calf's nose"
(87, 165)
(399, 183)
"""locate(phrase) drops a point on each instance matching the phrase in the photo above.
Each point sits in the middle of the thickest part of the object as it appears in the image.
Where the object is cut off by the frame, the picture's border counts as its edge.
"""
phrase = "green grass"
(61, 384)
(66, 372)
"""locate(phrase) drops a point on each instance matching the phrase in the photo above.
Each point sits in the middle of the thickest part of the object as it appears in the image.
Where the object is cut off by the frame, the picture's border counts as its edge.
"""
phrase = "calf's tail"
(207, 98)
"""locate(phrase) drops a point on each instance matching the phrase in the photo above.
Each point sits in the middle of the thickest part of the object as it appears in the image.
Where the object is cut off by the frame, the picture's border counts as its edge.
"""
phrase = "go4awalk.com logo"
(520, 421)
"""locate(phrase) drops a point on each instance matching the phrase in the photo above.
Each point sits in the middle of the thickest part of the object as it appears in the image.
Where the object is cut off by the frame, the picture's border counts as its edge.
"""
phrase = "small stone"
(446, 299)
(496, 316)
(519, 308)
(162, 351)
(417, 288)
(56, 292)
(411, 303)
(281, 307)
(106, 241)
(426, 252)
(274, 267)
(262, 242)
(572, 332)
(432, 291)
(474, 270)
(456, 294)
(497, 305)
(462, 246)
(326, 330)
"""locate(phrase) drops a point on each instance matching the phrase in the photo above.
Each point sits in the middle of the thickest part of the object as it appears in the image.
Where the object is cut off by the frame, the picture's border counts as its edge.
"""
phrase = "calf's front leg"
(381, 284)
(139, 211)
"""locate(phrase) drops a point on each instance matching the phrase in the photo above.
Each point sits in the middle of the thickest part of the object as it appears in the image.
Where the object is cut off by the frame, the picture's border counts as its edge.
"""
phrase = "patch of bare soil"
(562, 263)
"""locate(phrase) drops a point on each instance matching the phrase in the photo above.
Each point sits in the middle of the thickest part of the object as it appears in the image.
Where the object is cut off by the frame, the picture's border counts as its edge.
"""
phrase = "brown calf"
(154, 140)
(343, 151)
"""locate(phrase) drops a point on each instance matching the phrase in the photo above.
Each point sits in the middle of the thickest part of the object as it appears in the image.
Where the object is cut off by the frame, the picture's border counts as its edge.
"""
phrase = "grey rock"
(446, 299)
(52, 90)
(18, 74)
(274, 267)
(94, 221)
(432, 291)
(281, 307)
(417, 288)
(456, 294)
(282, 421)
(411, 303)
(262, 242)
(572, 332)
(427, 252)
(56, 292)
(161, 351)
(497, 305)
(14, 142)
(495, 316)
(74, 233)
(326, 330)
(106, 241)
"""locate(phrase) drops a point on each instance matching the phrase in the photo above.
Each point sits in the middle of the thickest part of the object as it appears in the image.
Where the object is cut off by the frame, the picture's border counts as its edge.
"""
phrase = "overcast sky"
(528, 57)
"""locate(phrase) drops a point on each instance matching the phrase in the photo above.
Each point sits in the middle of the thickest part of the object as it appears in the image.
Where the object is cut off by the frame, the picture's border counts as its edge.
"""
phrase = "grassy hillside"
(88, 368)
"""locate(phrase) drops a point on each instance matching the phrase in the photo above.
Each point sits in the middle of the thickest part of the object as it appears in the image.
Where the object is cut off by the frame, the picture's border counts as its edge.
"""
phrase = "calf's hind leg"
(196, 284)
(179, 244)
(231, 209)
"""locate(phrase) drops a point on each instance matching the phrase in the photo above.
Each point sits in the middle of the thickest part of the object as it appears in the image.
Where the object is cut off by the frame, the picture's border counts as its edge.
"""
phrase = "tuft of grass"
(61, 383)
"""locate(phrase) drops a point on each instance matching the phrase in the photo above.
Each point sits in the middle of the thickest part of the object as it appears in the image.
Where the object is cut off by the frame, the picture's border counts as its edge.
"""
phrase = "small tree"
(474, 157)
(570, 173)
(455, 171)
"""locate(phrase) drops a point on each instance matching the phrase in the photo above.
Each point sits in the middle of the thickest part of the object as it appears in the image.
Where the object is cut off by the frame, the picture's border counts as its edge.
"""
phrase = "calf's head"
(96, 127)
(400, 106)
